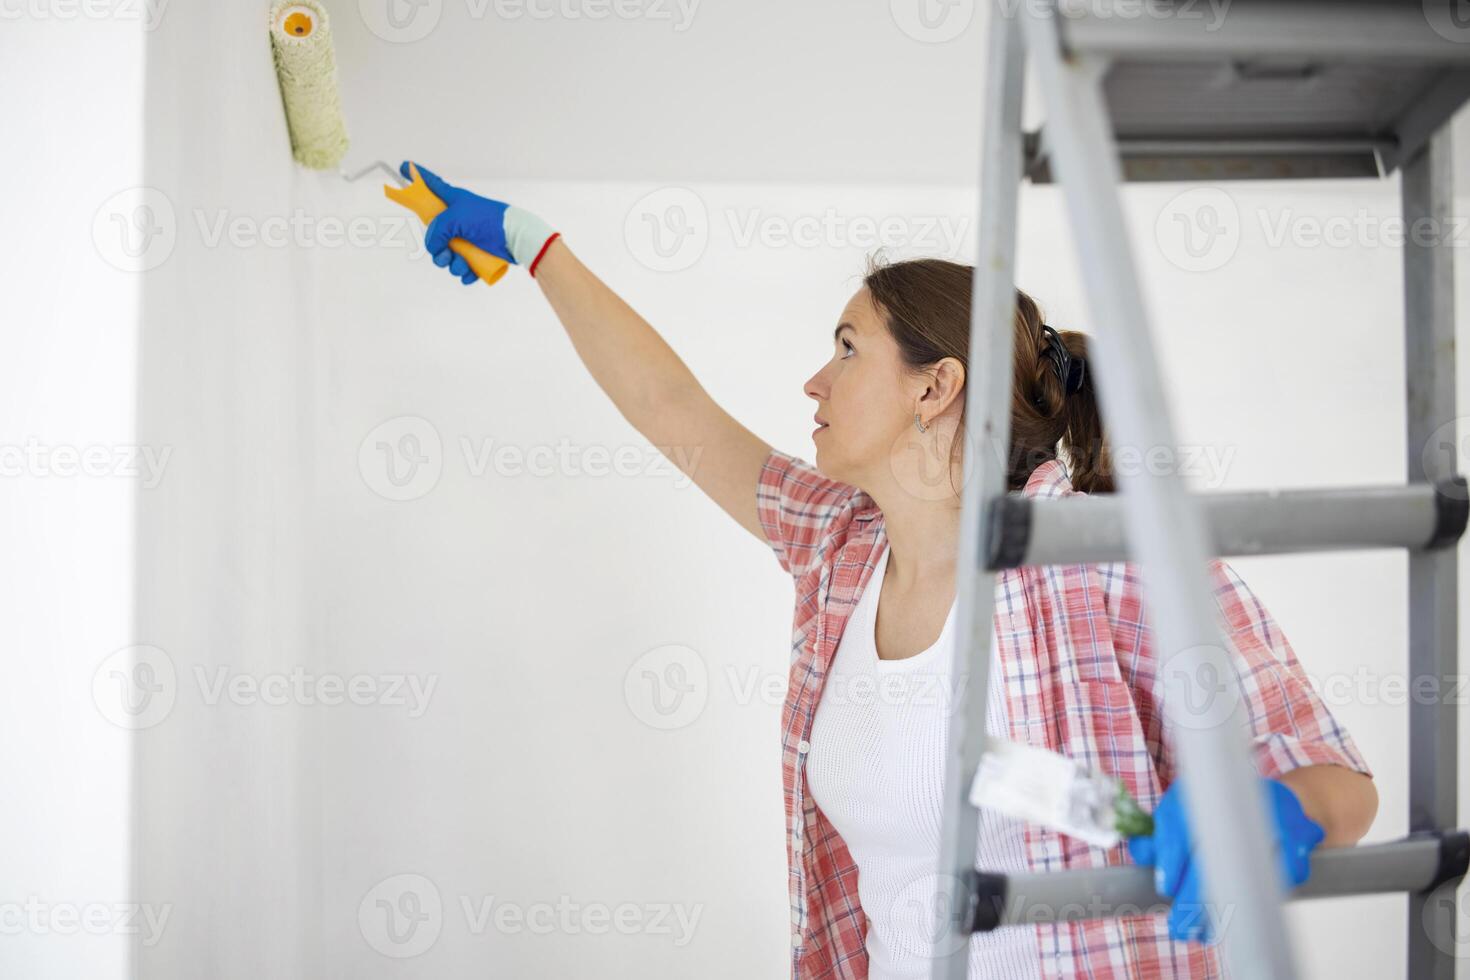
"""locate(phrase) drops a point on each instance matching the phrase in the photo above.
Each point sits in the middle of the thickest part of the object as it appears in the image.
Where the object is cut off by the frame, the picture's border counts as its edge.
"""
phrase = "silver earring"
(918, 423)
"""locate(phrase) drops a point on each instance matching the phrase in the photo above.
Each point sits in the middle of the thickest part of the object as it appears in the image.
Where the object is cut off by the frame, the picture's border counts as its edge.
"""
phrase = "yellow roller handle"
(417, 197)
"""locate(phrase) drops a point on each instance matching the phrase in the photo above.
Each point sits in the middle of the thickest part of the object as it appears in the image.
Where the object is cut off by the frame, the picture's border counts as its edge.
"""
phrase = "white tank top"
(876, 769)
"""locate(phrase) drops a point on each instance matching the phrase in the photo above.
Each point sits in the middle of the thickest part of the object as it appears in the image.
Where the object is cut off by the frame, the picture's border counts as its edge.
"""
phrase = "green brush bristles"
(302, 44)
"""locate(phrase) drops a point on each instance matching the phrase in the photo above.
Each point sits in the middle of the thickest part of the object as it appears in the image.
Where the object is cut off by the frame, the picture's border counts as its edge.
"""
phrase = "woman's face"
(864, 397)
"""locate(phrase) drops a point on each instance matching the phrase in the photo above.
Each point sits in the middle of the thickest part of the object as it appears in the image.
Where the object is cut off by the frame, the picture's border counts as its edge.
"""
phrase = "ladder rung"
(1213, 158)
(1420, 862)
(1060, 531)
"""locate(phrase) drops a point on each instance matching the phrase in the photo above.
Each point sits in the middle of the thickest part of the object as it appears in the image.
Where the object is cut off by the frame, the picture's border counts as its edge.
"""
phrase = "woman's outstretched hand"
(1169, 850)
(505, 231)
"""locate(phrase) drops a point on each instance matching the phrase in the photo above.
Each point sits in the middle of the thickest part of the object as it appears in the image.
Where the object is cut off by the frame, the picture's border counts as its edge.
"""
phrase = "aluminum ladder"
(1175, 98)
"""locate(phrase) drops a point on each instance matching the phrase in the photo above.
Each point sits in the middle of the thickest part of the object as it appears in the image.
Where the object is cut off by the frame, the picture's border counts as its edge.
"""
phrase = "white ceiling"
(740, 90)
(798, 90)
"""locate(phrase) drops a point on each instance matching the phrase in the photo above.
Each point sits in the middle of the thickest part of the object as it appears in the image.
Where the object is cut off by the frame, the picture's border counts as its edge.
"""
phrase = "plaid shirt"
(1080, 677)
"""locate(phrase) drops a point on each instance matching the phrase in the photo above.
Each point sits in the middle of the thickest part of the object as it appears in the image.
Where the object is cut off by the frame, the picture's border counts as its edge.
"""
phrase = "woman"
(870, 537)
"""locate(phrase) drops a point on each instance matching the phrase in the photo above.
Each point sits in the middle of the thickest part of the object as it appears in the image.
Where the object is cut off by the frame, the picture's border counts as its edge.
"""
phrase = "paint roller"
(301, 43)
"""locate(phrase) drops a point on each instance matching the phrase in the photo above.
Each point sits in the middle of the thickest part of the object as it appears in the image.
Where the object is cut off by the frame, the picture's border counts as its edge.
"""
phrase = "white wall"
(68, 444)
(225, 789)
(1285, 356)
(530, 597)
(286, 837)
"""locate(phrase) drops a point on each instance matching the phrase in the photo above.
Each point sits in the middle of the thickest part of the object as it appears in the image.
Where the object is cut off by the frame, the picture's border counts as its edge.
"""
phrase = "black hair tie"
(1070, 370)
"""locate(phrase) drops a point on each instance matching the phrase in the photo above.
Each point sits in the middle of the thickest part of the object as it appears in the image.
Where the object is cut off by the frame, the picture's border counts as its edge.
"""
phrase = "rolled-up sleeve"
(798, 507)
(1291, 726)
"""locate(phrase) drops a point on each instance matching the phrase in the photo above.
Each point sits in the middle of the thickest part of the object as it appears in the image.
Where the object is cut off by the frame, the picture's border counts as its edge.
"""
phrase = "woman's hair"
(926, 305)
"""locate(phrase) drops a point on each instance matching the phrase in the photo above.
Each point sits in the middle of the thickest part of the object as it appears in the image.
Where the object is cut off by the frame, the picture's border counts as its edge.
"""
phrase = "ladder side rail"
(1223, 794)
(1429, 388)
(986, 434)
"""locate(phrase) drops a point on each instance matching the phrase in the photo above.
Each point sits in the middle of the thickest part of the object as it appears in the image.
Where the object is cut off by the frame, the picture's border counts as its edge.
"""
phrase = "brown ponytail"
(926, 306)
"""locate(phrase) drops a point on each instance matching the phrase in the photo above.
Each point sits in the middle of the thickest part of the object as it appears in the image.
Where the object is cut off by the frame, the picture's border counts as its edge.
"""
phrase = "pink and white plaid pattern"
(1080, 677)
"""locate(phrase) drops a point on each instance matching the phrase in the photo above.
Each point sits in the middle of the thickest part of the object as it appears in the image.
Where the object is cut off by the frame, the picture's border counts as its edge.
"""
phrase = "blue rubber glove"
(507, 232)
(1176, 876)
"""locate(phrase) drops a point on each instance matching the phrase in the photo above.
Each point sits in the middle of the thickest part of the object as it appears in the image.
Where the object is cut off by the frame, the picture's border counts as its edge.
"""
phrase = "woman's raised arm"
(652, 388)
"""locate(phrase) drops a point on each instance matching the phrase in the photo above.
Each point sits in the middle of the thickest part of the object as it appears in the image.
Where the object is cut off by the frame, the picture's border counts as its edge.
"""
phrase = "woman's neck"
(923, 542)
